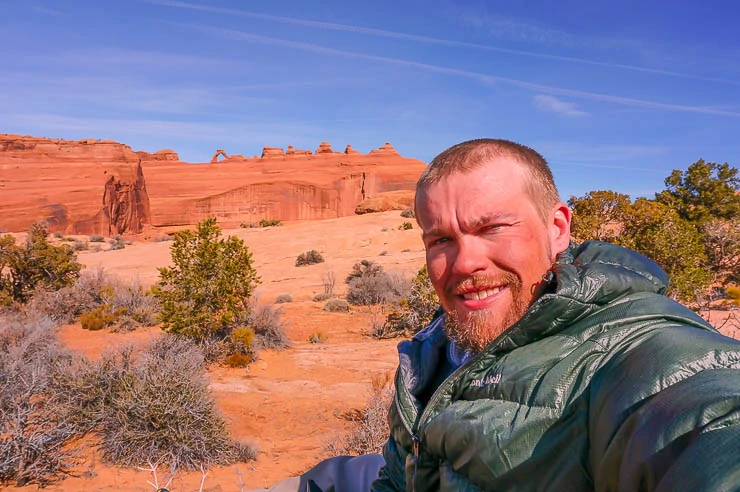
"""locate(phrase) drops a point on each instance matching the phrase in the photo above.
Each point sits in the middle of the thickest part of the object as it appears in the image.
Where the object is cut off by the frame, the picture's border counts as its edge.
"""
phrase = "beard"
(475, 330)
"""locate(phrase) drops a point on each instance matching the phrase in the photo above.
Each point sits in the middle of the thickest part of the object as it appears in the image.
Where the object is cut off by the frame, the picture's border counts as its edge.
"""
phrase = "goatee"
(479, 328)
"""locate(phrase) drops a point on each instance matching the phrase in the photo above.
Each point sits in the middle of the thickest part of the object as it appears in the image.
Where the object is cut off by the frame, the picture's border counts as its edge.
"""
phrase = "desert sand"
(290, 403)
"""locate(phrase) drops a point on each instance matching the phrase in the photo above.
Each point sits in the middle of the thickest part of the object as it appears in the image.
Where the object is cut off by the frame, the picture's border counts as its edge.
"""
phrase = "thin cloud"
(555, 105)
(480, 77)
(44, 10)
(426, 39)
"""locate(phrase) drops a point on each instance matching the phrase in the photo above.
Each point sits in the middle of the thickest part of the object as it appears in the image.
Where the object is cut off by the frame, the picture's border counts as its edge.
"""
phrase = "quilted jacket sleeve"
(665, 414)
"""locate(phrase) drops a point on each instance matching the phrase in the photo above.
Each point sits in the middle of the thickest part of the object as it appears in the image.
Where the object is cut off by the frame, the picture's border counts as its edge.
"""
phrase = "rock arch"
(218, 153)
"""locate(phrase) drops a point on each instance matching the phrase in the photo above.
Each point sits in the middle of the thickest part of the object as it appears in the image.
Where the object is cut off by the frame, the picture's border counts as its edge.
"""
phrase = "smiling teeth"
(481, 294)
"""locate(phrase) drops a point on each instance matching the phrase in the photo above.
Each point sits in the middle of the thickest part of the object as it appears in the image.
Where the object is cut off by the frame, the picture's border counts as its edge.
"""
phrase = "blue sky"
(614, 96)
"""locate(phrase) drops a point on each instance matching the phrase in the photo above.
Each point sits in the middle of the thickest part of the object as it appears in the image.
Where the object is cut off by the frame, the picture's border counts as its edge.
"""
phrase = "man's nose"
(470, 257)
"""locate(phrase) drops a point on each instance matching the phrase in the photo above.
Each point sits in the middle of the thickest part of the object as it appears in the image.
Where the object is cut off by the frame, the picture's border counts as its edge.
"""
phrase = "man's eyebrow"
(488, 219)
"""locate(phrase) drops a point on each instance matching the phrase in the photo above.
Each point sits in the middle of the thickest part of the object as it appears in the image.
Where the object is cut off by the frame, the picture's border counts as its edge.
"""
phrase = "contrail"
(480, 77)
(429, 40)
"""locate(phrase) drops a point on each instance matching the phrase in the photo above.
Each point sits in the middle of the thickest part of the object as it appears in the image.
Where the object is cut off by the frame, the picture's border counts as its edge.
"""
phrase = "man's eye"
(440, 240)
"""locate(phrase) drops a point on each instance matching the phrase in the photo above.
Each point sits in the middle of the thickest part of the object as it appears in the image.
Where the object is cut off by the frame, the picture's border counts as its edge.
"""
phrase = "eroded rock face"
(103, 187)
(160, 155)
(269, 152)
(84, 186)
(290, 185)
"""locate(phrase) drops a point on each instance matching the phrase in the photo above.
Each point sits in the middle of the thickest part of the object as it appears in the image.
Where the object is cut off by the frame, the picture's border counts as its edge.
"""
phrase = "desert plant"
(309, 258)
(369, 429)
(152, 405)
(37, 265)
(205, 293)
(116, 243)
(336, 305)
(733, 292)
(317, 337)
(321, 296)
(38, 431)
(97, 319)
(283, 298)
(329, 280)
(80, 245)
(268, 325)
(95, 238)
(369, 284)
(269, 223)
(405, 226)
(408, 213)
(413, 312)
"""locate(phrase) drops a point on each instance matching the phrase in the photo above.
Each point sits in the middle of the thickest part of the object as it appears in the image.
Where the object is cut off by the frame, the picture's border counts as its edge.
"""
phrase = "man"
(555, 366)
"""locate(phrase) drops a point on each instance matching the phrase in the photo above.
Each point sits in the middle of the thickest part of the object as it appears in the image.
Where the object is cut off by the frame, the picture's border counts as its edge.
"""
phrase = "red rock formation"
(350, 150)
(69, 185)
(324, 148)
(103, 187)
(391, 200)
(218, 153)
(160, 155)
(386, 149)
(297, 152)
(271, 152)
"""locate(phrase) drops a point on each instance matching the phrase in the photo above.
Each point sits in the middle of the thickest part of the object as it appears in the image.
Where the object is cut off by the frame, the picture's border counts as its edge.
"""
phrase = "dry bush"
(369, 429)
(336, 305)
(283, 298)
(411, 313)
(153, 405)
(329, 280)
(36, 428)
(268, 325)
(321, 296)
(408, 213)
(309, 258)
(96, 289)
(379, 288)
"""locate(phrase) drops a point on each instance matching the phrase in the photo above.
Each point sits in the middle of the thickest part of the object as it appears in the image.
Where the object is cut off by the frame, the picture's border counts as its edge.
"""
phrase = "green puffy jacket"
(605, 384)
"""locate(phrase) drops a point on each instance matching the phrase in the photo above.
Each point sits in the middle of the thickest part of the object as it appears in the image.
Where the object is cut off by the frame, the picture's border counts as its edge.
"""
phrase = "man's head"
(492, 226)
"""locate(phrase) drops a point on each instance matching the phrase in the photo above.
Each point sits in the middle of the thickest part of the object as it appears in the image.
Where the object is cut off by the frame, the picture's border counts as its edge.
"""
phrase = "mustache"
(479, 281)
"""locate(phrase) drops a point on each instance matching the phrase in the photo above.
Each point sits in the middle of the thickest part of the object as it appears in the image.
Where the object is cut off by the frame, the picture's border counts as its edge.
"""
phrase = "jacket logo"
(494, 379)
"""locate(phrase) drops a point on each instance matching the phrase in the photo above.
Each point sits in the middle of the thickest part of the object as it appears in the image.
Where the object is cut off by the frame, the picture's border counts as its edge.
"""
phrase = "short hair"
(466, 156)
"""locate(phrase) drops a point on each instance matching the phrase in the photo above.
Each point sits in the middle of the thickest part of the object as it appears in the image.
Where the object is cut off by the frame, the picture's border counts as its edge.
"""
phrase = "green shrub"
(405, 226)
(36, 265)
(336, 305)
(413, 312)
(283, 298)
(309, 258)
(205, 293)
(242, 339)
(268, 223)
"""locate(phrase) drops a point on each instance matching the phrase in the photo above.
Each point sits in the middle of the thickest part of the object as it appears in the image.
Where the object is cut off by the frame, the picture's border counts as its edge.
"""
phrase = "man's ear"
(559, 228)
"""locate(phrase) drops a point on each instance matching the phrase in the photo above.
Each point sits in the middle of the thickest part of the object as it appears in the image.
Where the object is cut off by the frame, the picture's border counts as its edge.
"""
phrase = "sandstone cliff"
(85, 186)
(104, 187)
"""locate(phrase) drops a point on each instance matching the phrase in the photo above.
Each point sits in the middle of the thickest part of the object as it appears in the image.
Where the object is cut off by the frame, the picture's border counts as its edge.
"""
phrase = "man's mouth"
(481, 294)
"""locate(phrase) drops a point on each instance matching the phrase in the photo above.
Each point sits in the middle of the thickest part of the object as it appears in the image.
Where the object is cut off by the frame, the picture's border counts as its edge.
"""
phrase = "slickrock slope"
(84, 187)
(104, 187)
(280, 185)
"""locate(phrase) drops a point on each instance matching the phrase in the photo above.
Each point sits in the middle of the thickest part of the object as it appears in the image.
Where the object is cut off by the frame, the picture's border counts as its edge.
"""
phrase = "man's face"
(487, 248)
